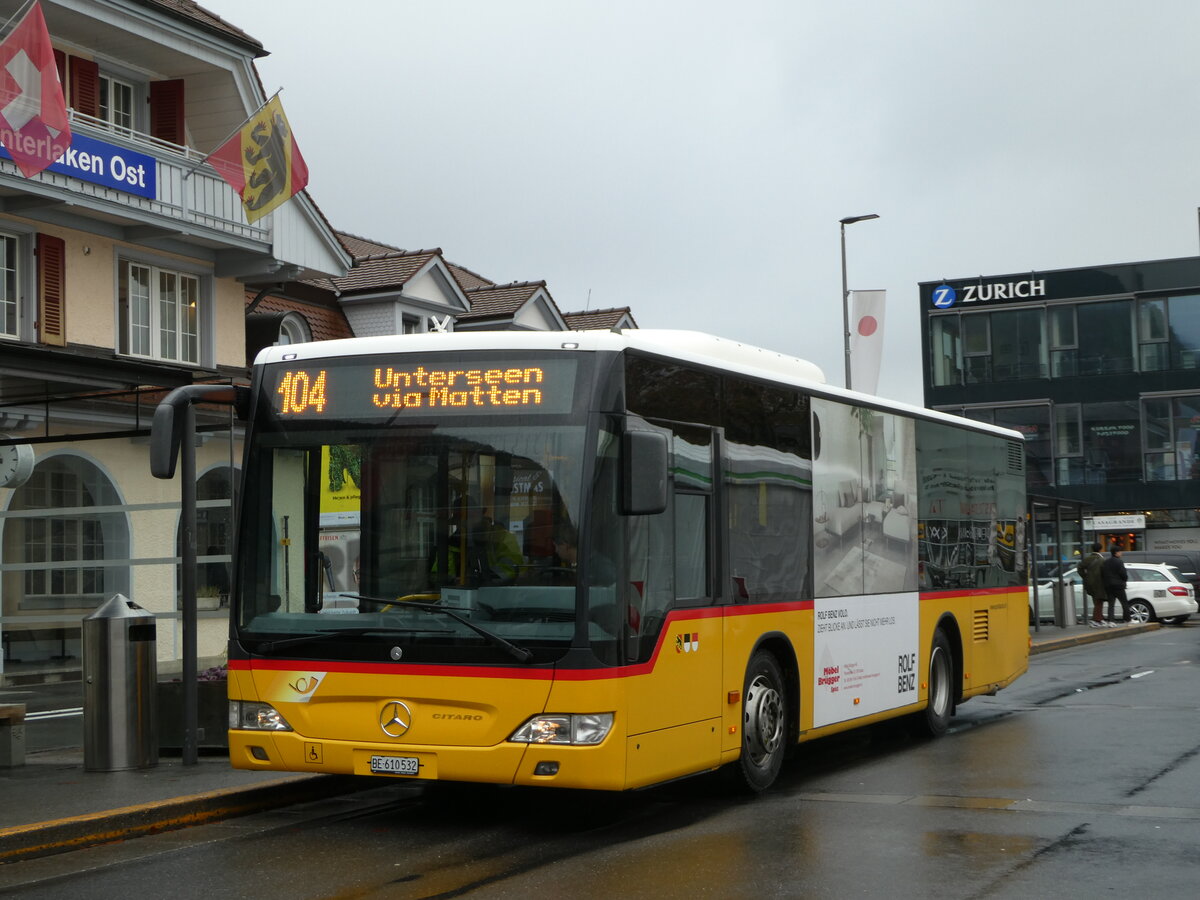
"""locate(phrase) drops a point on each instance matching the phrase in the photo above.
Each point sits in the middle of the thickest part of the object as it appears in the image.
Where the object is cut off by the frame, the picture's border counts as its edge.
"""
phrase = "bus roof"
(686, 346)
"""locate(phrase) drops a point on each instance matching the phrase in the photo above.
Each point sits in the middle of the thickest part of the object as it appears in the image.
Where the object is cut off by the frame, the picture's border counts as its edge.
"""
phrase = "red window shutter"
(60, 63)
(166, 111)
(52, 293)
(85, 86)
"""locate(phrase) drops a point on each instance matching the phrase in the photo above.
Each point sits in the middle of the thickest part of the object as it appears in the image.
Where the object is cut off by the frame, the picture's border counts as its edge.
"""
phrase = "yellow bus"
(603, 559)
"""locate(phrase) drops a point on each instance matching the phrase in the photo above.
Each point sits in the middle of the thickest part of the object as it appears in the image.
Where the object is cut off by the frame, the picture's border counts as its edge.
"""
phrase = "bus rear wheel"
(941, 686)
(764, 724)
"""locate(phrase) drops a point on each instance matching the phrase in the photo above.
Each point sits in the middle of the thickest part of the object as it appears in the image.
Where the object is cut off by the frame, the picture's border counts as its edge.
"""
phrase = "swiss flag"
(33, 115)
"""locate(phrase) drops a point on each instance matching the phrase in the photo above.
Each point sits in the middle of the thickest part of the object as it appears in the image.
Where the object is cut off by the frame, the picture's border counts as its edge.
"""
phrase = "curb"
(24, 842)
(1092, 636)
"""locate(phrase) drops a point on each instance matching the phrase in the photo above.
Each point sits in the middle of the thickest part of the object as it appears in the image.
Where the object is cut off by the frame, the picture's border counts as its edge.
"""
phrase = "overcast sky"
(691, 160)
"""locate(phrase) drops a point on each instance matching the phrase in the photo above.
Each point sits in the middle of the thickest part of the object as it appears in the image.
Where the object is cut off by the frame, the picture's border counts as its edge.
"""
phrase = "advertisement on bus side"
(865, 654)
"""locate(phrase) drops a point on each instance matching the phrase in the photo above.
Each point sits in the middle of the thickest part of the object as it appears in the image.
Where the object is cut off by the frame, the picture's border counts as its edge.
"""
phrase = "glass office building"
(1099, 368)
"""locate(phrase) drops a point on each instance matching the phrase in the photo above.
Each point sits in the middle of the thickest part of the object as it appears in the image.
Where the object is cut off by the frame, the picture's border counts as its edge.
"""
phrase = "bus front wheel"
(941, 686)
(764, 723)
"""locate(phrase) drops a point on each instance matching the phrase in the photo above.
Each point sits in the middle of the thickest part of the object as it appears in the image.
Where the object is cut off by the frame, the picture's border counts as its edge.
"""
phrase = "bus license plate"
(395, 765)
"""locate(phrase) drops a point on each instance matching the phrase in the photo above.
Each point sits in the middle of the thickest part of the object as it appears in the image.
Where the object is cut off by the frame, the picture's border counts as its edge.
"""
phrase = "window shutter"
(85, 86)
(166, 111)
(52, 295)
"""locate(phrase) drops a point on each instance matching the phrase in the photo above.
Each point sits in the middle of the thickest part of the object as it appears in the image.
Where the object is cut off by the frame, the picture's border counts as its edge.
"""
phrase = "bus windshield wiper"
(272, 646)
(520, 654)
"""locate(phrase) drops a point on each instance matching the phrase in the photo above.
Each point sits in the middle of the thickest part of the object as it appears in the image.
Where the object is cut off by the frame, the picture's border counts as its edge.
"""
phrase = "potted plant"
(208, 597)
(212, 706)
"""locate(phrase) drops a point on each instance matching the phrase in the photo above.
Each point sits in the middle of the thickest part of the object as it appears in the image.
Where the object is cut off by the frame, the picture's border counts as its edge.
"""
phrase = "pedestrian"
(1091, 570)
(1115, 578)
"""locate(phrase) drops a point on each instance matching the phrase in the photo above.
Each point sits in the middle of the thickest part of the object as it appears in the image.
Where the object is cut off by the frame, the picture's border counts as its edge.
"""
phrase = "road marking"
(54, 714)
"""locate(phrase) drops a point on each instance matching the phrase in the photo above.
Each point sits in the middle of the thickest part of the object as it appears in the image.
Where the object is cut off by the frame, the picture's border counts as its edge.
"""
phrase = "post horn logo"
(305, 684)
(395, 718)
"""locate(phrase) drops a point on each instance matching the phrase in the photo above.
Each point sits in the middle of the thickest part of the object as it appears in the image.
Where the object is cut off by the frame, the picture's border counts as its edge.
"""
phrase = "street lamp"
(849, 220)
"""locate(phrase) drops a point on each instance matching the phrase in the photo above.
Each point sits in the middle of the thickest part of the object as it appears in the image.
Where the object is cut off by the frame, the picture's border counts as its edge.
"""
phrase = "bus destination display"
(336, 389)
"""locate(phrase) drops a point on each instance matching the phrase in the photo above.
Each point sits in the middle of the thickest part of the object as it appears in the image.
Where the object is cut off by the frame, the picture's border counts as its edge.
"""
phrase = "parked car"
(1156, 593)
(1045, 596)
(1159, 592)
(1186, 561)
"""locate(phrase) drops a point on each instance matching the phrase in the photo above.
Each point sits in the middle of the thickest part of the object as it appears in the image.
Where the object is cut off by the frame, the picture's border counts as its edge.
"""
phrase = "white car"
(1155, 592)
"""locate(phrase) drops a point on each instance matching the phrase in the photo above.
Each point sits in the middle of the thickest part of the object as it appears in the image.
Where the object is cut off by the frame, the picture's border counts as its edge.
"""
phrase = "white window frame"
(10, 286)
(118, 119)
(158, 326)
(20, 326)
(294, 330)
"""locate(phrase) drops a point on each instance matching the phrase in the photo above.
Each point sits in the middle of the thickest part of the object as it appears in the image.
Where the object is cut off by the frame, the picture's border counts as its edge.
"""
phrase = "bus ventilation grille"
(1016, 458)
(979, 630)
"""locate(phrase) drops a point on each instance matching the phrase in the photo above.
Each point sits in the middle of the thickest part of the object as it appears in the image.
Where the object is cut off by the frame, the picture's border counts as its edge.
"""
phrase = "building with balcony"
(1099, 368)
(126, 269)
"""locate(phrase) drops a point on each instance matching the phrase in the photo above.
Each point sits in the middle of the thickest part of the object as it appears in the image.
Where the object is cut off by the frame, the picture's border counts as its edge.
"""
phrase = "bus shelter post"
(173, 436)
(187, 474)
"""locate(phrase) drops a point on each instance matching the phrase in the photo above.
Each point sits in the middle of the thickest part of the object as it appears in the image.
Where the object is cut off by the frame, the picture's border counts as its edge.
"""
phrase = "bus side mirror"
(166, 430)
(643, 473)
(165, 438)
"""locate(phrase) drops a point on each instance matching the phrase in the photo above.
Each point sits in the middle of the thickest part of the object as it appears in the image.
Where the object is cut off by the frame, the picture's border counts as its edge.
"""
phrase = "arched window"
(70, 556)
(294, 329)
(214, 538)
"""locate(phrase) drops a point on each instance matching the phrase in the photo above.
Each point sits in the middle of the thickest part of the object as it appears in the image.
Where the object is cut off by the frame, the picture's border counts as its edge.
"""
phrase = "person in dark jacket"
(1115, 579)
(1091, 571)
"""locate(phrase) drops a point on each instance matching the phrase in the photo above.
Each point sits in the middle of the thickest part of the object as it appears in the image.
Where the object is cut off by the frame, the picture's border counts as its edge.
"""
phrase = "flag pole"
(188, 174)
(21, 10)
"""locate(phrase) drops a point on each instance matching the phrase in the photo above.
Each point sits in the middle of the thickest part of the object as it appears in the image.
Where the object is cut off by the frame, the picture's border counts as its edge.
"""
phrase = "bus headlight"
(251, 716)
(579, 728)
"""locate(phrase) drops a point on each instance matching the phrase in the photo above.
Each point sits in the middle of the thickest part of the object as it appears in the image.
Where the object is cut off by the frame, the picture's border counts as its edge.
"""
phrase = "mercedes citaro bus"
(600, 559)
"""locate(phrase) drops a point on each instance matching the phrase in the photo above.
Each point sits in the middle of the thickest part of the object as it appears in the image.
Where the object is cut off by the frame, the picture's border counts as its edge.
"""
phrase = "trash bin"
(119, 677)
(1064, 603)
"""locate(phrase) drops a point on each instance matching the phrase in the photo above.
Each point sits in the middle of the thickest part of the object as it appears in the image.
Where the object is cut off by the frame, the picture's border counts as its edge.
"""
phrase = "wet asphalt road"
(1081, 780)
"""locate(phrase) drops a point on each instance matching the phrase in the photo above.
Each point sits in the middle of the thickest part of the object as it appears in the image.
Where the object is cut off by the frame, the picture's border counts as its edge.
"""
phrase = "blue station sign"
(108, 165)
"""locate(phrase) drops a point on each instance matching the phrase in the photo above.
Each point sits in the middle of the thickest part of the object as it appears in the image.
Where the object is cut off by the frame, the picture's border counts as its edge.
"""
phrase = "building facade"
(113, 292)
(126, 268)
(1099, 368)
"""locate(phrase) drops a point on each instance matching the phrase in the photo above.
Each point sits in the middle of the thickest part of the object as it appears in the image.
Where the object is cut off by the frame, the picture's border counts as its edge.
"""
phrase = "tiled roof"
(392, 270)
(359, 246)
(467, 279)
(500, 299)
(326, 323)
(198, 15)
(376, 266)
(598, 318)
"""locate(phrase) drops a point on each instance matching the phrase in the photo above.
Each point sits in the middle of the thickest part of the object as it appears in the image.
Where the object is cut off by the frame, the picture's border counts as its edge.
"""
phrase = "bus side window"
(652, 571)
(669, 552)
(691, 547)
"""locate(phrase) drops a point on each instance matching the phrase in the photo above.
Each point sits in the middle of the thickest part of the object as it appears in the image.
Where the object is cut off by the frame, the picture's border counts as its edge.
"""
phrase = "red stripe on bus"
(410, 669)
(596, 674)
(971, 592)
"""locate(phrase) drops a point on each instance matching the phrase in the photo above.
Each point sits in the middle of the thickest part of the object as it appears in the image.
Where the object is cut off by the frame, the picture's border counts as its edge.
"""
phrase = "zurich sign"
(944, 296)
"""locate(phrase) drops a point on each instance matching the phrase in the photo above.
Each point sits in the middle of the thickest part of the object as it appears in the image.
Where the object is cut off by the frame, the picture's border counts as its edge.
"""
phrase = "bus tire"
(764, 724)
(940, 706)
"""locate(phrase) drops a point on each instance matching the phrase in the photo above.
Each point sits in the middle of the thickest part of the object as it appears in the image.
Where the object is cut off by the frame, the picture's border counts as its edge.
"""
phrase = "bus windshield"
(444, 542)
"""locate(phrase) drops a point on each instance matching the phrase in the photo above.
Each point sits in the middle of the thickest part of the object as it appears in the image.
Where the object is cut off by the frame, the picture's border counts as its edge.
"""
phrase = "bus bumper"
(601, 767)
